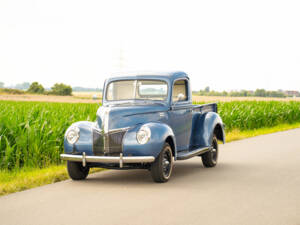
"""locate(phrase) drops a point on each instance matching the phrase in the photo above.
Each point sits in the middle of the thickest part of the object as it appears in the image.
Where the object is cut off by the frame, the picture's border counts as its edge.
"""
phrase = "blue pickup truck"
(146, 121)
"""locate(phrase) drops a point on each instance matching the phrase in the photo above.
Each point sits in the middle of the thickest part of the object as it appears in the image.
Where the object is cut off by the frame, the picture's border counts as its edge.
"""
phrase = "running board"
(193, 153)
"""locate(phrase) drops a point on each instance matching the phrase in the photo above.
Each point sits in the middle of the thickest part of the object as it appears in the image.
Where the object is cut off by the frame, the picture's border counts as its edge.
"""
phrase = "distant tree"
(23, 86)
(1, 85)
(234, 94)
(276, 94)
(260, 93)
(61, 89)
(244, 93)
(224, 93)
(35, 87)
(207, 89)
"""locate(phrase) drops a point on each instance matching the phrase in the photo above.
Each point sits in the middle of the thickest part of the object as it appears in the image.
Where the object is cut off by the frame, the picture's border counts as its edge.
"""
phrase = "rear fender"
(204, 127)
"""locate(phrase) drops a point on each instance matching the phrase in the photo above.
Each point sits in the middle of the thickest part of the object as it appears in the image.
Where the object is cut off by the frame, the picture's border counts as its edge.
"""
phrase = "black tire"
(77, 171)
(210, 159)
(162, 167)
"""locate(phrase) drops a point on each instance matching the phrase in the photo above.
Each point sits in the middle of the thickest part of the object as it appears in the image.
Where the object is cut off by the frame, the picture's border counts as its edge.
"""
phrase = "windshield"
(137, 90)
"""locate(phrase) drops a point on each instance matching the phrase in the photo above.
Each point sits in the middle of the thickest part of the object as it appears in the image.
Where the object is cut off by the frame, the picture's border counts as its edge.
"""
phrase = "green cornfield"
(249, 115)
(31, 133)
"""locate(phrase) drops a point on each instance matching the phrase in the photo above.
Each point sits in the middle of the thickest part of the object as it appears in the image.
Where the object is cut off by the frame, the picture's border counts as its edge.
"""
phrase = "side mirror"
(180, 97)
(95, 97)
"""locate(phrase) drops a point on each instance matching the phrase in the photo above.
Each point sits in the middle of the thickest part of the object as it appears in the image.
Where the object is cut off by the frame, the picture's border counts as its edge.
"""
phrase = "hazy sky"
(221, 44)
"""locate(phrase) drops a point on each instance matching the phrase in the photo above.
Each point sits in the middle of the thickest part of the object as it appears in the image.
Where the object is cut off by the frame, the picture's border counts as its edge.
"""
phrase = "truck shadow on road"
(182, 172)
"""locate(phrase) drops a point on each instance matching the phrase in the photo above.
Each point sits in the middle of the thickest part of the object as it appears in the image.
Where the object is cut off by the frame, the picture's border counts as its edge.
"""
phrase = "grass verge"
(19, 180)
(236, 134)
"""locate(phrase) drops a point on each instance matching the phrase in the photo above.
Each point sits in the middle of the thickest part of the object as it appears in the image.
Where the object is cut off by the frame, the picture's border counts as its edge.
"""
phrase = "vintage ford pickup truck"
(146, 121)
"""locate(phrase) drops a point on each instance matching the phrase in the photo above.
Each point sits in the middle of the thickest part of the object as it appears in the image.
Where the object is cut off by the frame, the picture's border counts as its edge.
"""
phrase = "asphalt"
(257, 181)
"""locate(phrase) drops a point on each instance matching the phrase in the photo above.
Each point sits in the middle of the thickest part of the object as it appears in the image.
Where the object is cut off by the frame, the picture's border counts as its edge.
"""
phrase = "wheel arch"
(219, 132)
(171, 142)
(160, 134)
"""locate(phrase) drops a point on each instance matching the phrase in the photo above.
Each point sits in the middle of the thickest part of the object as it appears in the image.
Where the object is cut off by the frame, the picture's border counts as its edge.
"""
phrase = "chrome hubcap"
(214, 152)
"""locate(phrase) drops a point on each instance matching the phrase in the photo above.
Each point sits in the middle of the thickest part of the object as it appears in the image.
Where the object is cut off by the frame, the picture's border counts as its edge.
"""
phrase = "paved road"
(257, 181)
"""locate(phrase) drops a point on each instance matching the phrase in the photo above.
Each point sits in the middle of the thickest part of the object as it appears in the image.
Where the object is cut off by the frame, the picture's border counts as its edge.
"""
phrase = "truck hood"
(121, 116)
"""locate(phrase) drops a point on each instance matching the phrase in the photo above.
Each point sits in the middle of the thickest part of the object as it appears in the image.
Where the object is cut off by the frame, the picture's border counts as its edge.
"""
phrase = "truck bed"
(211, 107)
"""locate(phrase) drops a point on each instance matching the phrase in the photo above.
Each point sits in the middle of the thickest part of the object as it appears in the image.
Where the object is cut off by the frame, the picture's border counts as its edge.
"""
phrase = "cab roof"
(171, 76)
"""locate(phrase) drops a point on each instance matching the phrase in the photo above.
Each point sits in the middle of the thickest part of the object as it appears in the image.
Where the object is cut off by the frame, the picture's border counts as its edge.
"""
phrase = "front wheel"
(76, 171)
(161, 169)
(209, 159)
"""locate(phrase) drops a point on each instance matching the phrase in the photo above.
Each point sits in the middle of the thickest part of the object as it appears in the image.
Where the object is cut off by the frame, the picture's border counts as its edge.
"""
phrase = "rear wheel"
(210, 159)
(76, 171)
(161, 169)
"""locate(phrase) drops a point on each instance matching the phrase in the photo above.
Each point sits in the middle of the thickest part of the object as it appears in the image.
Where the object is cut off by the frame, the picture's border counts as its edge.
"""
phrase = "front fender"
(204, 126)
(85, 141)
(159, 133)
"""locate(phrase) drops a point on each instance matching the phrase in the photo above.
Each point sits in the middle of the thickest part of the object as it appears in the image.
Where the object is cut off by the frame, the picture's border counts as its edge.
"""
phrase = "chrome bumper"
(107, 159)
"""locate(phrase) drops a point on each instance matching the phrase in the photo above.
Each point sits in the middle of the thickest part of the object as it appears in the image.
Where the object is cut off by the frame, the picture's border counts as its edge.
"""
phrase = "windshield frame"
(104, 99)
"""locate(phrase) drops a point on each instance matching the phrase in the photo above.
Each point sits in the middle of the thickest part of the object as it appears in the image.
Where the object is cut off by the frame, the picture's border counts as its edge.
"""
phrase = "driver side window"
(180, 91)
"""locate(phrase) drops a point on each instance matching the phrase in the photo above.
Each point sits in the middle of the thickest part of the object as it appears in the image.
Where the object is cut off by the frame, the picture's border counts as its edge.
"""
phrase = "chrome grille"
(98, 143)
(115, 142)
(108, 144)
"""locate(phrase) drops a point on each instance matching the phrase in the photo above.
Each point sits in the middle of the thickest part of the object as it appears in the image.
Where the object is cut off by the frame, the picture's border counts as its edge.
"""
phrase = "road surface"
(257, 181)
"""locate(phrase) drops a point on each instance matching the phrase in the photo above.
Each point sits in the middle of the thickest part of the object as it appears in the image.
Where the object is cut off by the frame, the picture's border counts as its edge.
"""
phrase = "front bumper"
(107, 159)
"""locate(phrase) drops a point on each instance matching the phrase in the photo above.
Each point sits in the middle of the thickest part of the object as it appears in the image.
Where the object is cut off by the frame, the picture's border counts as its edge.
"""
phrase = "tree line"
(36, 88)
(56, 89)
(247, 93)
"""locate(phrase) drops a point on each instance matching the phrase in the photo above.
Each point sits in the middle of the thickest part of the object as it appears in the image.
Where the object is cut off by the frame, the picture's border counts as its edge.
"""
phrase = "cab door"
(181, 114)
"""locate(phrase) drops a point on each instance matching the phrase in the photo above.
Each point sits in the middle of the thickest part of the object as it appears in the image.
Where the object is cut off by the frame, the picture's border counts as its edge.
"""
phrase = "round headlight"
(73, 135)
(143, 135)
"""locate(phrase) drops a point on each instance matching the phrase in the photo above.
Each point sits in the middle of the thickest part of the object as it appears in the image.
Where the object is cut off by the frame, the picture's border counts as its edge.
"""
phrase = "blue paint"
(85, 142)
(159, 133)
(189, 126)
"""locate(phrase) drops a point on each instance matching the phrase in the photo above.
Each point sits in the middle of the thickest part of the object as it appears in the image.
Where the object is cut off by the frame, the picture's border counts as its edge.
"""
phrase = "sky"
(226, 45)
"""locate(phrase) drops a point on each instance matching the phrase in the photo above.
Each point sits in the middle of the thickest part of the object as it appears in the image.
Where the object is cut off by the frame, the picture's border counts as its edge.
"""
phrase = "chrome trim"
(106, 120)
(134, 89)
(75, 128)
(144, 127)
(105, 129)
(108, 159)
(83, 159)
(118, 130)
(122, 144)
(121, 160)
(106, 136)
(100, 131)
